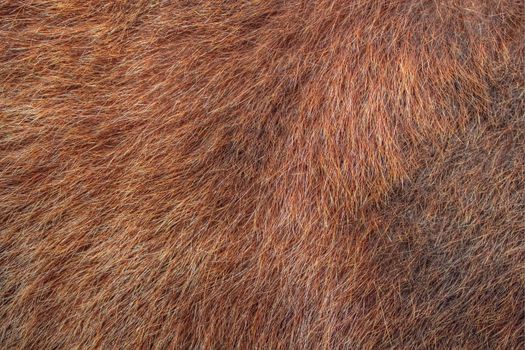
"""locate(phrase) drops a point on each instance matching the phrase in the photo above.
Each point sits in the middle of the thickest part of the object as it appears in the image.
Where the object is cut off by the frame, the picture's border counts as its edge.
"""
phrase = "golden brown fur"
(262, 174)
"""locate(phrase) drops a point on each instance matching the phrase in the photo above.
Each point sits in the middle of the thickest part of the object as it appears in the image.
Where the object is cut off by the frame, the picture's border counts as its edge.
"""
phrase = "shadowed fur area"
(262, 174)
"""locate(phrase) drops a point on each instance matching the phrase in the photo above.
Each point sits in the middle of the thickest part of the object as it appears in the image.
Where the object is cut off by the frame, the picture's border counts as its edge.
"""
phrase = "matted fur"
(262, 174)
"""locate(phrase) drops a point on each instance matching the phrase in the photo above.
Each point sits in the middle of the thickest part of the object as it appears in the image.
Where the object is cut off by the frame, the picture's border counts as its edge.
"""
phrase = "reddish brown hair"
(262, 175)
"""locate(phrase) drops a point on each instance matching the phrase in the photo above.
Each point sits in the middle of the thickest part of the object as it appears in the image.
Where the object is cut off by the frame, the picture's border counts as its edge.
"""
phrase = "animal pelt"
(262, 174)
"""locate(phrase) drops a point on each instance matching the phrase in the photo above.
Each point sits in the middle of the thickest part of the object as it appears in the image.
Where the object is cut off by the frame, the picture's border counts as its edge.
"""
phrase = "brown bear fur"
(262, 174)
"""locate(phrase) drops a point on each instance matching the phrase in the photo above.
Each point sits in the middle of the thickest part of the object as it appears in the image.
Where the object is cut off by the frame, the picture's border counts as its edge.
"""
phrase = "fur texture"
(262, 174)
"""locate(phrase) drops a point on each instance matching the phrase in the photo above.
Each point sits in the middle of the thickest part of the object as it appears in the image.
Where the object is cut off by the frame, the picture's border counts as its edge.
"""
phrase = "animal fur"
(262, 174)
